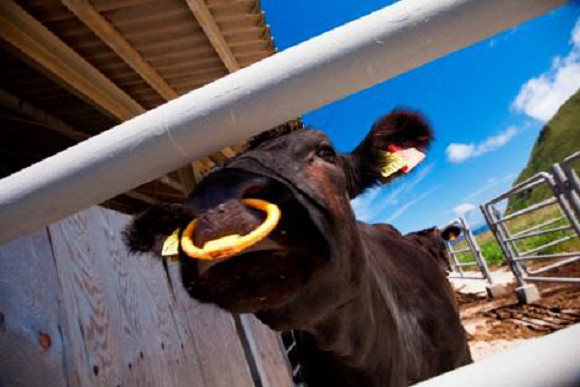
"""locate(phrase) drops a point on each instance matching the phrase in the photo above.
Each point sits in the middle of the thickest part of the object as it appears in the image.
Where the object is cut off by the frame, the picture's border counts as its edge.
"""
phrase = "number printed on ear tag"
(393, 162)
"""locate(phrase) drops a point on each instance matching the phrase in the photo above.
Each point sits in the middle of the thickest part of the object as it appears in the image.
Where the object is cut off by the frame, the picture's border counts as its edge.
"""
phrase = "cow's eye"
(327, 153)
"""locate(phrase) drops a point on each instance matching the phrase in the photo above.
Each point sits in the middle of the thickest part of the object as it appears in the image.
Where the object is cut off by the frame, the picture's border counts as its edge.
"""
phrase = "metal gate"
(563, 185)
(454, 233)
(571, 179)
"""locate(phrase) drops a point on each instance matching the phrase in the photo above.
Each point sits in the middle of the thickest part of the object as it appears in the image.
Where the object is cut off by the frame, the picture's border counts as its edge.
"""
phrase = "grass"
(559, 138)
(493, 253)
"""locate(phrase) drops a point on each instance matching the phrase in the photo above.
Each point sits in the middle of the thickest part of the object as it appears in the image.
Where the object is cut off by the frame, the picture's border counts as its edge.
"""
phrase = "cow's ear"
(403, 129)
(158, 221)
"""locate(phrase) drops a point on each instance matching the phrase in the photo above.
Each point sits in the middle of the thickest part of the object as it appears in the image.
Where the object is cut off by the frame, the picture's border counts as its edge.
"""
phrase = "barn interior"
(73, 69)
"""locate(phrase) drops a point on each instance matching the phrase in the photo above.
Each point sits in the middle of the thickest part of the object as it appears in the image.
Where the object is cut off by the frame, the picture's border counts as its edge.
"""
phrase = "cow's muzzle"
(229, 245)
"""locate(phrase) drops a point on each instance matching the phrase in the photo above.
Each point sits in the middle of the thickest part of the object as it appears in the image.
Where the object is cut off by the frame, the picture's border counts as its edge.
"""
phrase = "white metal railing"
(333, 65)
(549, 361)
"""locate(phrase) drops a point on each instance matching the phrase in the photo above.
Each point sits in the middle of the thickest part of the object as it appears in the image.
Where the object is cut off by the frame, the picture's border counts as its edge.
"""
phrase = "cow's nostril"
(228, 218)
(258, 188)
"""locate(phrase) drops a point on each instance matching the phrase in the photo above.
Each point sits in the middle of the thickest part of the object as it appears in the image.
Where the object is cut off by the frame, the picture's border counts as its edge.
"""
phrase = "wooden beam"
(67, 67)
(91, 17)
(171, 183)
(47, 120)
(213, 33)
(46, 50)
(140, 196)
(211, 29)
(228, 152)
(187, 177)
(51, 122)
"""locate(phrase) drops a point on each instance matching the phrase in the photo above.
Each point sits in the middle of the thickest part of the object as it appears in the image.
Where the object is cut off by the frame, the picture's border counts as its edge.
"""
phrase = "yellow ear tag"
(171, 245)
(396, 159)
(392, 163)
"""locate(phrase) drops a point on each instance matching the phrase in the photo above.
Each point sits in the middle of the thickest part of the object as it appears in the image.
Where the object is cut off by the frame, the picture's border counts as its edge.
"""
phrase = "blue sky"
(486, 103)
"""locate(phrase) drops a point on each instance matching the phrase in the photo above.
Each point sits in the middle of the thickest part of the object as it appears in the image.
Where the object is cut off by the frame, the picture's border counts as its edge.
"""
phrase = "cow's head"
(299, 271)
(431, 239)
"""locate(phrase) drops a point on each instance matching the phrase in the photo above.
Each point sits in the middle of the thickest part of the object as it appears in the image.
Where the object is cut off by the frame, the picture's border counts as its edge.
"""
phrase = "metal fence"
(573, 181)
(562, 184)
(457, 231)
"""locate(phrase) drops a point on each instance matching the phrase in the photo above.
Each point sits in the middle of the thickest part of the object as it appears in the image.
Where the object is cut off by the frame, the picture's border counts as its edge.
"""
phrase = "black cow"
(372, 308)
(432, 241)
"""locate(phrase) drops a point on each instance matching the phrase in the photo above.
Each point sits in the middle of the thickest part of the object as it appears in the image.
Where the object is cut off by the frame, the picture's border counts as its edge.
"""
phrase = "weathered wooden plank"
(165, 345)
(119, 308)
(79, 249)
(215, 338)
(270, 362)
(76, 309)
(31, 345)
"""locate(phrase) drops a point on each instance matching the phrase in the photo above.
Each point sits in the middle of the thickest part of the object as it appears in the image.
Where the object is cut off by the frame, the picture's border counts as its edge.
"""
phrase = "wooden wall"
(76, 310)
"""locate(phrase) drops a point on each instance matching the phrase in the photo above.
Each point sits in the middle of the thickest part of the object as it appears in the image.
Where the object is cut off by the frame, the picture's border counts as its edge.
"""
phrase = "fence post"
(573, 181)
(498, 234)
(479, 258)
(564, 194)
(526, 293)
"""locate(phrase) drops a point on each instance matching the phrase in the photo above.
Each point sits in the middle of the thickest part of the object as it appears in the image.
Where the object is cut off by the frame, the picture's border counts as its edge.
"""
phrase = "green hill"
(559, 138)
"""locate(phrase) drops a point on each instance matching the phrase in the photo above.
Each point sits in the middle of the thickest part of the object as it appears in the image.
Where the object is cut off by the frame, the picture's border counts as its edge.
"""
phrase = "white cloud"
(540, 97)
(459, 152)
(464, 208)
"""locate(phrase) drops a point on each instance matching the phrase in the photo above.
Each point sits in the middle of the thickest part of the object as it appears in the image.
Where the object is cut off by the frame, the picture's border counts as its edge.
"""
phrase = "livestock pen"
(98, 317)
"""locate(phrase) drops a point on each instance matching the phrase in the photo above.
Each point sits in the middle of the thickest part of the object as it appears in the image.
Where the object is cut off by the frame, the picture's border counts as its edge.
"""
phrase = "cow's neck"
(362, 340)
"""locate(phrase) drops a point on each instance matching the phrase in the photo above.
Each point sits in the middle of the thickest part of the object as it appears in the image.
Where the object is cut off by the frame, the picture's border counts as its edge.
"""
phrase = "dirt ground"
(495, 325)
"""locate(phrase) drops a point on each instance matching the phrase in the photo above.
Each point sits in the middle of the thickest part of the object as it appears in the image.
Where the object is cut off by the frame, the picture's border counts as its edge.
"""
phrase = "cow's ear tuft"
(403, 129)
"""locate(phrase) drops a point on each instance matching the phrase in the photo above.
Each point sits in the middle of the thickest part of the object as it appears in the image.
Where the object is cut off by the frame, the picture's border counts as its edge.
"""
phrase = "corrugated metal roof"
(165, 34)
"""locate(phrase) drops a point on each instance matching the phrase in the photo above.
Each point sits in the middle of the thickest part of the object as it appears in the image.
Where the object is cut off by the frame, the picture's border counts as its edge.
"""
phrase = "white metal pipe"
(333, 65)
(549, 361)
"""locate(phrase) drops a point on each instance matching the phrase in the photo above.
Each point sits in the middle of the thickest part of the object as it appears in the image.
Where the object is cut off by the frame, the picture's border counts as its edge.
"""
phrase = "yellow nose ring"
(231, 244)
